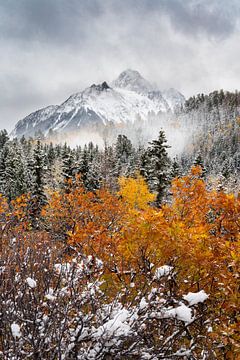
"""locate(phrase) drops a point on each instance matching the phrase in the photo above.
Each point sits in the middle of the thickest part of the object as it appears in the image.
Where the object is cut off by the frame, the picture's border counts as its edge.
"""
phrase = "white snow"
(133, 80)
(116, 105)
(31, 282)
(181, 312)
(99, 263)
(62, 268)
(13, 241)
(143, 303)
(162, 271)
(49, 296)
(195, 298)
(15, 328)
(183, 352)
(131, 97)
(34, 119)
(173, 97)
(184, 313)
(117, 326)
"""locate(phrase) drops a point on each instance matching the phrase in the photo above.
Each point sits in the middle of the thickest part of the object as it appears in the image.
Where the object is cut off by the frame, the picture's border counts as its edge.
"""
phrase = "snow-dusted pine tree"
(158, 168)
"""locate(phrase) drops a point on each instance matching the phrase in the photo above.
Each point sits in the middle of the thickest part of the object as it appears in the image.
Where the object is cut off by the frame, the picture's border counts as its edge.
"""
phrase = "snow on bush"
(31, 282)
(181, 312)
(117, 326)
(50, 295)
(195, 298)
(164, 270)
(72, 314)
(15, 329)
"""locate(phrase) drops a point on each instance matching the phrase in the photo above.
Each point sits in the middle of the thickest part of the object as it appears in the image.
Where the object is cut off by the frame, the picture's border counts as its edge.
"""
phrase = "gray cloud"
(52, 21)
(52, 48)
(63, 21)
(215, 18)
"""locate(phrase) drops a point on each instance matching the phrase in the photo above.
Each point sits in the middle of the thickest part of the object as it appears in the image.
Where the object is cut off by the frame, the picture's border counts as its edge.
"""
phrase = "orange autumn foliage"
(197, 233)
(87, 221)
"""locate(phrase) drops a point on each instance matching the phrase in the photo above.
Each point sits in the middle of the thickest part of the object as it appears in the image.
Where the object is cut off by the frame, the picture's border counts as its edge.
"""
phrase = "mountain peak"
(132, 80)
(100, 87)
(129, 96)
(130, 74)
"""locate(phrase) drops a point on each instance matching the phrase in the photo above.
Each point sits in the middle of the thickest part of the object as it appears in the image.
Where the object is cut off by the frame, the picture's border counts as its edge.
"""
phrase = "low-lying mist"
(178, 133)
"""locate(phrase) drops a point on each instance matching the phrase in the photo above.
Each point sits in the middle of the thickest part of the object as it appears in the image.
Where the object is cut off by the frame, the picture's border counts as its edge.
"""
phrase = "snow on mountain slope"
(173, 97)
(34, 122)
(117, 105)
(129, 97)
(133, 80)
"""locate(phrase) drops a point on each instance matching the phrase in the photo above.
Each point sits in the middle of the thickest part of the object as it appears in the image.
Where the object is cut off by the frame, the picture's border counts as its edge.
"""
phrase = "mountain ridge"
(128, 97)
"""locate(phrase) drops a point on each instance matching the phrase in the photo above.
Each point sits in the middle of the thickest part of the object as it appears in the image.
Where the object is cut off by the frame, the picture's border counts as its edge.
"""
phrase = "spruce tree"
(123, 151)
(3, 157)
(38, 194)
(68, 166)
(83, 167)
(199, 162)
(145, 163)
(12, 171)
(175, 169)
(158, 169)
(107, 165)
(3, 138)
(93, 179)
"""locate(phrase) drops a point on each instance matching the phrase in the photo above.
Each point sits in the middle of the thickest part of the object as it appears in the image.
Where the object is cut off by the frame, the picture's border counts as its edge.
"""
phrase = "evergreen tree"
(83, 167)
(124, 154)
(175, 169)
(3, 138)
(50, 155)
(199, 162)
(12, 171)
(145, 163)
(158, 174)
(3, 157)
(38, 194)
(68, 166)
(107, 165)
(92, 180)
(123, 148)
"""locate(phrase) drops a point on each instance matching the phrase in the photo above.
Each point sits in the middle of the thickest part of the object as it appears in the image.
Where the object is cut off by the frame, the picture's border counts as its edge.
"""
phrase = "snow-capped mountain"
(129, 97)
(173, 98)
(133, 80)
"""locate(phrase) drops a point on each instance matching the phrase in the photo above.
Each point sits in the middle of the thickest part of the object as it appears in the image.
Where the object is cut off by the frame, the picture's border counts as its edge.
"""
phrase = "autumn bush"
(57, 309)
(196, 234)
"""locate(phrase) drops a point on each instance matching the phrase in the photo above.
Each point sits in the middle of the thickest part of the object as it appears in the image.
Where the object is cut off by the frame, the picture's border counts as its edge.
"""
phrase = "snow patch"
(164, 270)
(195, 298)
(117, 326)
(15, 329)
(49, 296)
(181, 312)
(31, 282)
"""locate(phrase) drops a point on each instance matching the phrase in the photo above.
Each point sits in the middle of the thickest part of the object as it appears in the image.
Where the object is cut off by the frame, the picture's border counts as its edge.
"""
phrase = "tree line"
(36, 167)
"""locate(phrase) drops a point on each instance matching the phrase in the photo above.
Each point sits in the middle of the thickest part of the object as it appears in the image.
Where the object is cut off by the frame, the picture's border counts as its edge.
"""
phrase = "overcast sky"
(50, 49)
